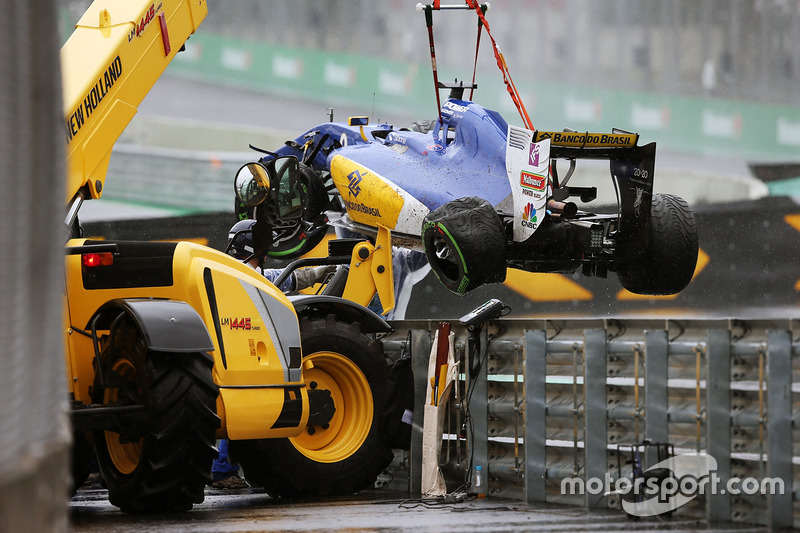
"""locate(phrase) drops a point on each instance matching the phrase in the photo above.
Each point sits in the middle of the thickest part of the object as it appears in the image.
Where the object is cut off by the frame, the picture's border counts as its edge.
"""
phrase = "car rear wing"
(631, 167)
(581, 140)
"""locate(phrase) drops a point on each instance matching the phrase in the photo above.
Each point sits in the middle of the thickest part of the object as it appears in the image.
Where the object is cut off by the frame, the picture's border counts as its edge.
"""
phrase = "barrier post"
(595, 367)
(779, 425)
(535, 416)
(718, 409)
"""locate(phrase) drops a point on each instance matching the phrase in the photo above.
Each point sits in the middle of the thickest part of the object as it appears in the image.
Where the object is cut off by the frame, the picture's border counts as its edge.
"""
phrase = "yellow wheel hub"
(352, 396)
(125, 456)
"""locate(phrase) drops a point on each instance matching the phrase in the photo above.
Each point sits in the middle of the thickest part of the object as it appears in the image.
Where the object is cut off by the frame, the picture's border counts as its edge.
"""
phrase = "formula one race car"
(475, 193)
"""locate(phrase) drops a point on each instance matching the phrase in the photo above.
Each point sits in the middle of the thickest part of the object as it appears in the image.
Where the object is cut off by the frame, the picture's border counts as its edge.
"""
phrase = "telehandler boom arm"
(117, 52)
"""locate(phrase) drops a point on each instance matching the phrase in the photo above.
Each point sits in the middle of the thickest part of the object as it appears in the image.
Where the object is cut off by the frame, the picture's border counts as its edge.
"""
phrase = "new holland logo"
(355, 178)
(532, 181)
(529, 216)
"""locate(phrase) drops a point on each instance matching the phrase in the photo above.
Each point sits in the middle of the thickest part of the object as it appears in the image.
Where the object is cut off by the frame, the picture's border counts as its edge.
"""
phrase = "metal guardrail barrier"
(190, 180)
(572, 398)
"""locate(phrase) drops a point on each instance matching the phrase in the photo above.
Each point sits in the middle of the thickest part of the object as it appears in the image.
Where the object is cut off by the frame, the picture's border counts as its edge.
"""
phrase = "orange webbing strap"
(501, 63)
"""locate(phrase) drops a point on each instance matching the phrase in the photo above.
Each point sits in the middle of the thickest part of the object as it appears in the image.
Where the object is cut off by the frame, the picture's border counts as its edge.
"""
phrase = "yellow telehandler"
(172, 345)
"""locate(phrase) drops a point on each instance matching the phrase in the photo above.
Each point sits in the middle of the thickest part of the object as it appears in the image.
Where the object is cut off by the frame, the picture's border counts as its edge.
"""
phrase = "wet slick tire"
(668, 264)
(160, 459)
(348, 455)
(465, 244)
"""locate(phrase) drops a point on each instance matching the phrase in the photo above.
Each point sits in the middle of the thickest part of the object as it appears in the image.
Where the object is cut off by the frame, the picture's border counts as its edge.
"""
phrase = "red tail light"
(97, 259)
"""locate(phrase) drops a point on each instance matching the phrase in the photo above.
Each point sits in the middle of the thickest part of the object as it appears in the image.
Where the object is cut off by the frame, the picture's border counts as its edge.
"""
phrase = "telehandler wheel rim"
(125, 456)
(352, 396)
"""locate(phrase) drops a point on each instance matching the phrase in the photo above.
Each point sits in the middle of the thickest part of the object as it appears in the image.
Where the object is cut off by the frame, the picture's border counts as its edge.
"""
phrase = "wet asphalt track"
(244, 510)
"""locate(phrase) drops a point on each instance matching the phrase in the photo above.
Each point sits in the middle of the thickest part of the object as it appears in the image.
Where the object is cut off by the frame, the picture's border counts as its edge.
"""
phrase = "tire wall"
(748, 266)
(34, 436)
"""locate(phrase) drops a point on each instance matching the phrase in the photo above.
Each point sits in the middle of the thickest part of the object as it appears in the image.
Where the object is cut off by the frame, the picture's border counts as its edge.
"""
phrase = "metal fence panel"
(575, 401)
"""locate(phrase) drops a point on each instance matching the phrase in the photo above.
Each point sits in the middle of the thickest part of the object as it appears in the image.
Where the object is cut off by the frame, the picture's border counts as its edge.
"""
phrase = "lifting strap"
(429, 22)
(501, 63)
(477, 49)
(480, 9)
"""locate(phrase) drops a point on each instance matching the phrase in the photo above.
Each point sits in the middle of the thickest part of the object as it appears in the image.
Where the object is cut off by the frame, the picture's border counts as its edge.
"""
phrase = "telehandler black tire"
(81, 458)
(465, 244)
(668, 264)
(159, 462)
(349, 454)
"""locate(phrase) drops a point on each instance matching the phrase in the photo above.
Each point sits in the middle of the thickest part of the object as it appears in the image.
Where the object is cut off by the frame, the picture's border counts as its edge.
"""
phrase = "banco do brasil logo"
(354, 178)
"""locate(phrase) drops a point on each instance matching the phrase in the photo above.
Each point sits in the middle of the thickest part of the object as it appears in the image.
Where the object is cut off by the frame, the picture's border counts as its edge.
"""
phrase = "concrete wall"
(34, 430)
